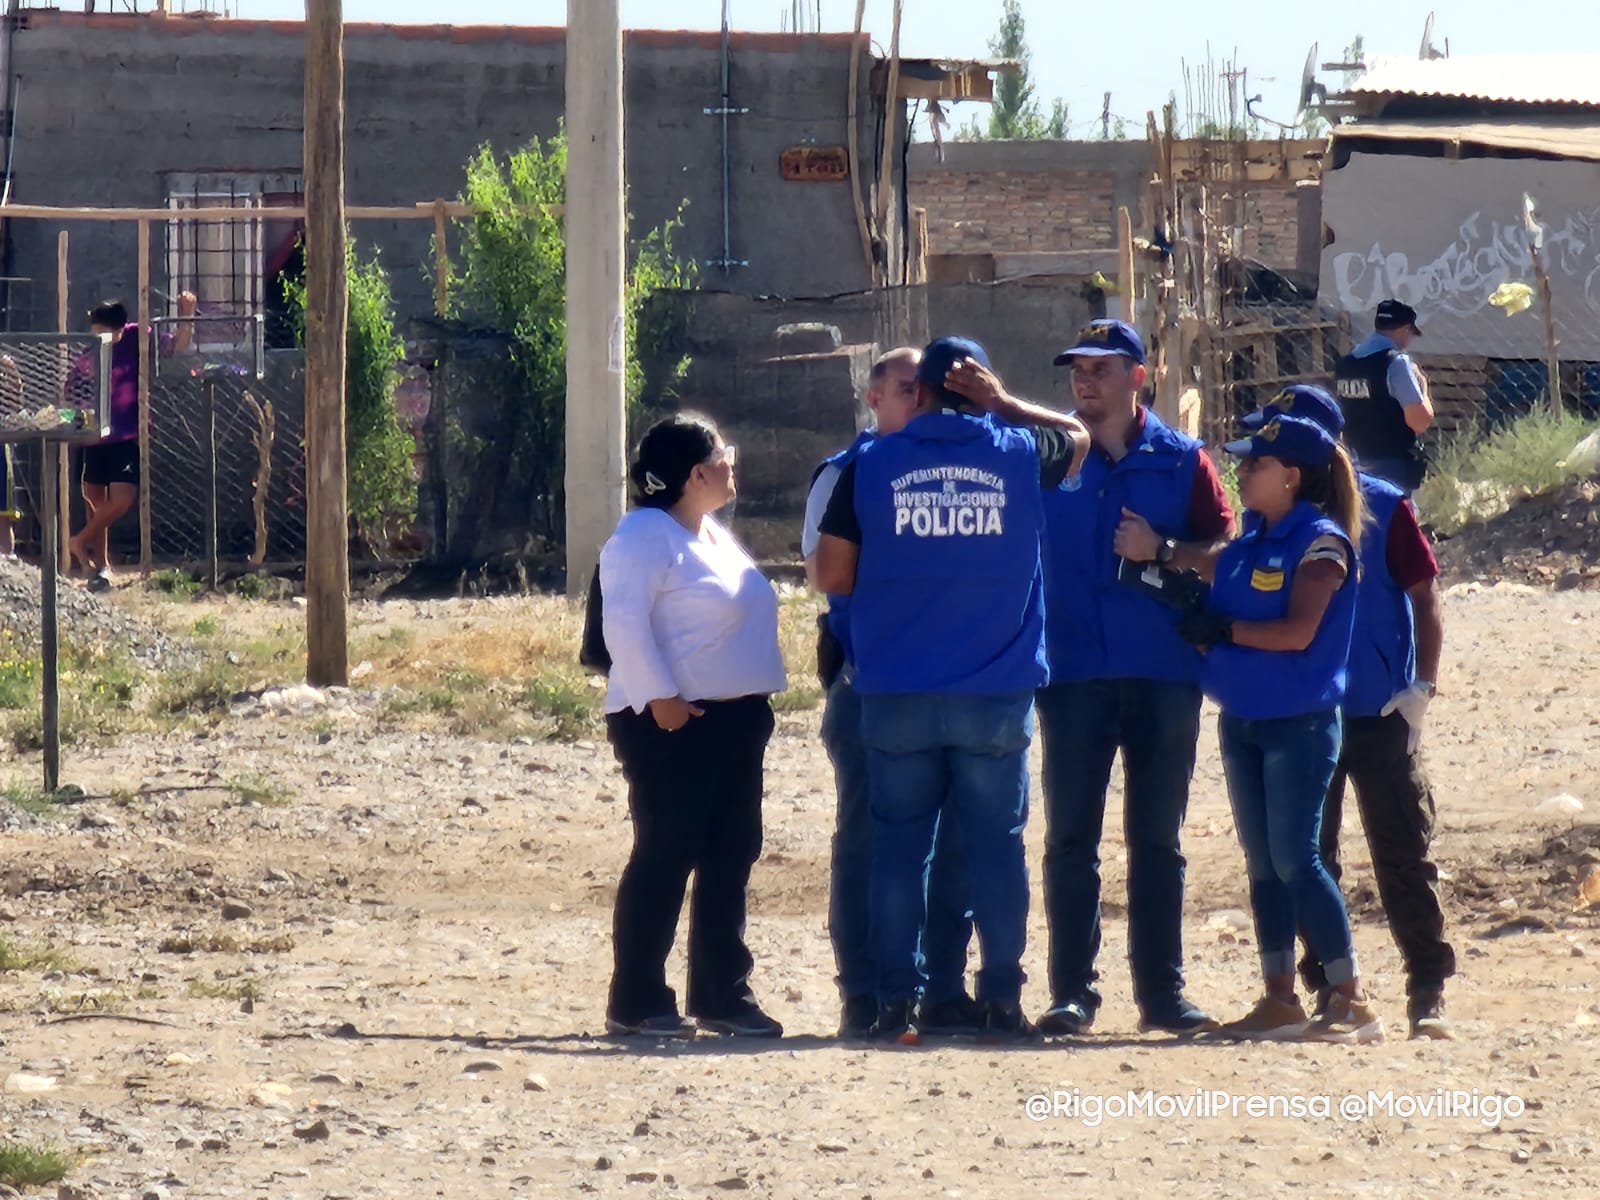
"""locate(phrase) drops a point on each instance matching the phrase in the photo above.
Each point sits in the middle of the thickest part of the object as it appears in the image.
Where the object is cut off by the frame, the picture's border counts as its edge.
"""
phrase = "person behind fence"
(1120, 679)
(934, 533)
(1277, 633)
(691, 626)
(112, 473)
(946, 1007)
(1387, 406)
(1394, 661)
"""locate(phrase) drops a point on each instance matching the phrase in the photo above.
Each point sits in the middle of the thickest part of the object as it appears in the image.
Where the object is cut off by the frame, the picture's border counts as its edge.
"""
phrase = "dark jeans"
(1155, 724)
(1397, 813)
(948, 930)
(932, 758)
(695, 796)
(1278, 773)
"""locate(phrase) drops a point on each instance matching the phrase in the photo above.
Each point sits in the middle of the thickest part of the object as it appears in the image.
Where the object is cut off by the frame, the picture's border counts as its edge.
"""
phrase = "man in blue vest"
(1385, 399)
(1394, 661)
(934, 534)
(1121, 679)
(946, 1008)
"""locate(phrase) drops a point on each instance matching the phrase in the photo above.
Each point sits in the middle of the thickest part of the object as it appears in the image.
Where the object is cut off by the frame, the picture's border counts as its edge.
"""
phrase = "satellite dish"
(1427, 53)
(1312, 93)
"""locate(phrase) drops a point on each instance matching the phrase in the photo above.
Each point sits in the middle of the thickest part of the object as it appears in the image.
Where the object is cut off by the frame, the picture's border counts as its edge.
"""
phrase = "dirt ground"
(410, 1007)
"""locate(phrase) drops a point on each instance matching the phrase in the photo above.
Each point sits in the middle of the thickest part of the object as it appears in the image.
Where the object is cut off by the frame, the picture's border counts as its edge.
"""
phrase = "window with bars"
(234, 266)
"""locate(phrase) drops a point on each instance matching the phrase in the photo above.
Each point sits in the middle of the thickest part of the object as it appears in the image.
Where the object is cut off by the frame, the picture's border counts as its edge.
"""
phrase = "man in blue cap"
(934, 534)
(1121, 679)
(946, 1008)
(1385, 397)
(1394, 662)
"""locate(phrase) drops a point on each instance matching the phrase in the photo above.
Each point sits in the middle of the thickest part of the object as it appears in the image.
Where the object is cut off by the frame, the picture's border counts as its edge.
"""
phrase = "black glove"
(1204, 627)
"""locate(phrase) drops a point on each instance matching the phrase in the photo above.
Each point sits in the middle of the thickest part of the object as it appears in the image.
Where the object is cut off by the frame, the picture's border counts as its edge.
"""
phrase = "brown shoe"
(1350, 1020)
(1271, 1020)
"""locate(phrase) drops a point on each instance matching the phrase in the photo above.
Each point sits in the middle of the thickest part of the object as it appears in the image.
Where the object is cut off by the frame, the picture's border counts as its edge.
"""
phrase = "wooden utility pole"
(327, 523)
(596, 351)
(61, 527)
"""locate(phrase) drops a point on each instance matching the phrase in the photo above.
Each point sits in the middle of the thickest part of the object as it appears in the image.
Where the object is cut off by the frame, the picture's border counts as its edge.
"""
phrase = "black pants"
(1397, 812)
(695, 796)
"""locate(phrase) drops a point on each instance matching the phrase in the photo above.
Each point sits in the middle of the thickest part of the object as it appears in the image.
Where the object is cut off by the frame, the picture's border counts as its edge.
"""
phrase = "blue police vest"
(949, 593)
(1096, 627)
(1383, 651)
(839, 606)
(1255, 575)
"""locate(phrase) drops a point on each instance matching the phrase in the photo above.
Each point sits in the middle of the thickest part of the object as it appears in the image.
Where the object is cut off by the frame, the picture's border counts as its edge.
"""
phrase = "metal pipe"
(727, 159)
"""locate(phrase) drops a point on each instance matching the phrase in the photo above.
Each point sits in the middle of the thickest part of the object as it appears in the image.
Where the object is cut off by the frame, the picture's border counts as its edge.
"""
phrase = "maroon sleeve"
(1210, 515)
(1409, 556)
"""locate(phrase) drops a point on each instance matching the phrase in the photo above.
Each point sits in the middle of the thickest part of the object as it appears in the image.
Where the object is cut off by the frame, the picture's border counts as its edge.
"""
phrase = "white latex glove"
(1412, 704)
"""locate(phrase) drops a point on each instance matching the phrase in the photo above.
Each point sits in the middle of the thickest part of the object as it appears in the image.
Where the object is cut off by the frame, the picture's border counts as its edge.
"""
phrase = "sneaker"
(667, 1025)
(1068, 1019)
(1426, 1012)
(100, 581)
(1349, 1020)
(1001, 1023)
(1271, 1020)
(896, 1022)
(856, 1015)
(748, 1021)
(959, 1016)
(1177, 1014)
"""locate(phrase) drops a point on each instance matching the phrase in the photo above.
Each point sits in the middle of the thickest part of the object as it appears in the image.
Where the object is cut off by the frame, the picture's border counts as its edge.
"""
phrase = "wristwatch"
(1165, 551)
(1428, 687)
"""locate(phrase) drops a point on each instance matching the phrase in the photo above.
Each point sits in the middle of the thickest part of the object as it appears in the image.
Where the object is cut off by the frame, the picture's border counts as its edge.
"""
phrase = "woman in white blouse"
(691, 625)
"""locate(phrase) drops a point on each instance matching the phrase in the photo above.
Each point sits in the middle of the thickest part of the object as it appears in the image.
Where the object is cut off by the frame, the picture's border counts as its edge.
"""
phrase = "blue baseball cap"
(943, 353)
(1293, 439)
(1302, 400)
(1101, 339)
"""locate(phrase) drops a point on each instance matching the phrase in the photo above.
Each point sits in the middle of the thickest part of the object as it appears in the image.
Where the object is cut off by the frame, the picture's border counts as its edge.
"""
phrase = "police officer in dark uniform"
(934, 532)
(1385, 399)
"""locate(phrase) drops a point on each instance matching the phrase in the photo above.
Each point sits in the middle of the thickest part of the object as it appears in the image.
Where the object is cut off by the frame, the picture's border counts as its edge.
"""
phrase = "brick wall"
(1013, 212)
(1272, 224)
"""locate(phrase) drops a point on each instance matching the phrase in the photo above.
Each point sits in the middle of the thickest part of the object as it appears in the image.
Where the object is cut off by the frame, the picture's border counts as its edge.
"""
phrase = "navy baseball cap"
(1394, 315)
(943, 353)
(1293, 439)
(1101, 339)
(1302, 400)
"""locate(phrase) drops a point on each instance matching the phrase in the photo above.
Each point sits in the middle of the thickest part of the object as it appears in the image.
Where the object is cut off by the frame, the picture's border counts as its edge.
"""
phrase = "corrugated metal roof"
(1558, 139)
(1509, 78)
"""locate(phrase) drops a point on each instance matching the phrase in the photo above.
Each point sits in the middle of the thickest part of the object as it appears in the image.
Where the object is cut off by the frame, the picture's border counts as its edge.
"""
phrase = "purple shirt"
(125, 386)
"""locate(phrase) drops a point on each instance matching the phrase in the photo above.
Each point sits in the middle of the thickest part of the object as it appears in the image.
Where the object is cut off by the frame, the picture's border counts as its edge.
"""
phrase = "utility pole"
(596, 423)
(327, 301)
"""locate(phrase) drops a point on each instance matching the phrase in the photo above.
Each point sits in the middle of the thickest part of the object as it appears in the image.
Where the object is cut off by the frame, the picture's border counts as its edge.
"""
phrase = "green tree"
(1015, 113)
(512, 278)
(378, 452)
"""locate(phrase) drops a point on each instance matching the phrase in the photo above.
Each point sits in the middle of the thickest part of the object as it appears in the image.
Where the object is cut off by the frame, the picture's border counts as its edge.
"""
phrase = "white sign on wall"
(1442, 235)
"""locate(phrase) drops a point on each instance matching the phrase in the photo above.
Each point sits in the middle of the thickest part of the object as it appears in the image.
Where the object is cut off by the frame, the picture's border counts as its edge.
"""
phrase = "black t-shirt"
(1055, 460)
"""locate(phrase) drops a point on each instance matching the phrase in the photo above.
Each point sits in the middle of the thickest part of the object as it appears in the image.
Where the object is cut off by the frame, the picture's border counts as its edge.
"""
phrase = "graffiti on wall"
(1460, 279)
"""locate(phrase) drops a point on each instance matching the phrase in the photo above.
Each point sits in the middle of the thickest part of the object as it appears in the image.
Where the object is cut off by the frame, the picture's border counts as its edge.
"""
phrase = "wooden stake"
(853, 136)
(1552, 349)
(441, 260)
(327, 307)
(1126, 286)
(892, 133)
(144, 398)
(63, 526)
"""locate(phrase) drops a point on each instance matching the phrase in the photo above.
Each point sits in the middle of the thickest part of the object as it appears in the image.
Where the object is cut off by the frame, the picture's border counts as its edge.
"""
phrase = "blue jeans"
(948, 929)
(1278, 774)
(1155, 723)
(966, 756)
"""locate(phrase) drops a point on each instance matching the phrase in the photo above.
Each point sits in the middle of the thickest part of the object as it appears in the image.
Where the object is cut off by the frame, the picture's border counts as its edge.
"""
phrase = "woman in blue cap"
(1277, 635)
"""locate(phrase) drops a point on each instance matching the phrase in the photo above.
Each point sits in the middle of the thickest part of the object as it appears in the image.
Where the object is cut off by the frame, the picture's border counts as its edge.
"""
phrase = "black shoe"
(896, 1023)
(1177, 1014)
(1068, 1018)
(1426, 1013)
(959, 1016)
(666, 1025)
(1005, 1023)
(1324, 996)
(857, 1015)
(748, 1021)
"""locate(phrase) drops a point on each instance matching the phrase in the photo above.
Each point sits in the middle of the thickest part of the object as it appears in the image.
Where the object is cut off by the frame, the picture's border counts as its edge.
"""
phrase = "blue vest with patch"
(949, 594)
(839, 606)
(1383, 649)
(1096, 627)
(1255, 575)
